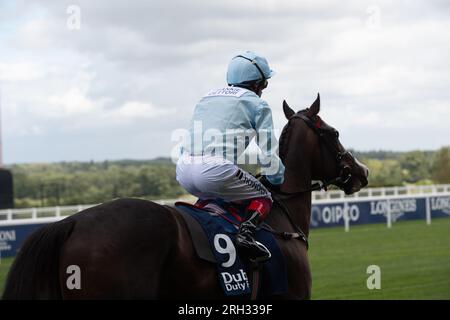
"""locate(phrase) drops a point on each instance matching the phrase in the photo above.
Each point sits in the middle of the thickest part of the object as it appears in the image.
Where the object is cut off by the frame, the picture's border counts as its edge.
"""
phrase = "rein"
(299, 234)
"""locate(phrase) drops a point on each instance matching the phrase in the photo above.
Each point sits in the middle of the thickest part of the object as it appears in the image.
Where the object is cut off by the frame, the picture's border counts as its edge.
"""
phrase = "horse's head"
(309, 142)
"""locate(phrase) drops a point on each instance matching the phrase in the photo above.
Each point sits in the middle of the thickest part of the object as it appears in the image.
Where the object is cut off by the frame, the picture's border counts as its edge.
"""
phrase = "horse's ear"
(288, 112)
(315, 107)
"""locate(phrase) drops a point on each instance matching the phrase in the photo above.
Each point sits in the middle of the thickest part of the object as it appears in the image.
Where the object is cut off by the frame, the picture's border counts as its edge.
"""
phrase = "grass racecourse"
(414, 261)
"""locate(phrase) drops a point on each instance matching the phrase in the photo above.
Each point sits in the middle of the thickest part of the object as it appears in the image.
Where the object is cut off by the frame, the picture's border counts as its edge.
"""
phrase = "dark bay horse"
(137, 249)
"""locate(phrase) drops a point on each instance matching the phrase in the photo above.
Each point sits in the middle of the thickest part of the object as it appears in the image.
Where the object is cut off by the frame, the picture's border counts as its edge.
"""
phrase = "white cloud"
(71, 103)
(139, 110)
(20, 71)
(35, 34)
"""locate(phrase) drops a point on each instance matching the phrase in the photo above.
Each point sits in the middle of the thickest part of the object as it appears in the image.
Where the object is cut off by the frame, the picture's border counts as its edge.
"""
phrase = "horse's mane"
(285, 137)
(284, 141)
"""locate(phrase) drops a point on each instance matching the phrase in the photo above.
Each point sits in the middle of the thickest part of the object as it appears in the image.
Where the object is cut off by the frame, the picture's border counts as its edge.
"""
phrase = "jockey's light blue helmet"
(246, 67)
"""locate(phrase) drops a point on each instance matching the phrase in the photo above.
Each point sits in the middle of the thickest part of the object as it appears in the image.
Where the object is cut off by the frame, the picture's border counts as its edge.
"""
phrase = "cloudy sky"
(111, 79)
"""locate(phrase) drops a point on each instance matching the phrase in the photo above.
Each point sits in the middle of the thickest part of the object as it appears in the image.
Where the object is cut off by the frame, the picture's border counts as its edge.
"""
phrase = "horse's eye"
(336, 134)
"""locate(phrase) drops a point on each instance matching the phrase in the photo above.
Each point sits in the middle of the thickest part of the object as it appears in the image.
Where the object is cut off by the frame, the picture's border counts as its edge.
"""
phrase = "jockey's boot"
(245, 240)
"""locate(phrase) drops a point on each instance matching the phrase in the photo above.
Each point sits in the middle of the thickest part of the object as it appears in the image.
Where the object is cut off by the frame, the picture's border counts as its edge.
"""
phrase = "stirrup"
(262, 258)
(250, 248)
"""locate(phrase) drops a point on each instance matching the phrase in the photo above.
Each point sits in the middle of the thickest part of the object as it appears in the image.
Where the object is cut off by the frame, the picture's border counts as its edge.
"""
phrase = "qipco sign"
(376, 211)
(327, 215)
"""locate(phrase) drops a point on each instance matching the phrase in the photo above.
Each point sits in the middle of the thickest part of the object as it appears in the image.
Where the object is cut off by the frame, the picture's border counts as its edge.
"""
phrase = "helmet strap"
(255, 64)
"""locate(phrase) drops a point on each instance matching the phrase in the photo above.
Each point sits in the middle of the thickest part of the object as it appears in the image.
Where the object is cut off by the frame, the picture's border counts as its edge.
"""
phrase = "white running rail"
(50, 214)
(381, 192)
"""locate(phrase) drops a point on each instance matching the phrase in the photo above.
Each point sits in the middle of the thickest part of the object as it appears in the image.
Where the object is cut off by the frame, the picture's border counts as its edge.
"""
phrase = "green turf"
(414, 259)
(5, 264)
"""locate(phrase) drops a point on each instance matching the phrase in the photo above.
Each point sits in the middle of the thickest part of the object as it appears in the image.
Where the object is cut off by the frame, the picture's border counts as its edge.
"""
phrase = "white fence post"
(388, 214)
(58, 211)
(347, 217)
(428, 210)
(34, 213)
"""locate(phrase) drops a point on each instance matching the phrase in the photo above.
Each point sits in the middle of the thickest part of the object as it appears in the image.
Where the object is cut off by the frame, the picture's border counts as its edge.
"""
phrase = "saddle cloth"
(219, 230)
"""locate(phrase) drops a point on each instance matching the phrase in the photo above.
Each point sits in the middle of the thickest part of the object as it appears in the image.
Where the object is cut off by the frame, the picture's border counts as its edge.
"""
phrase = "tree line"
(402, 168)
(69, 183)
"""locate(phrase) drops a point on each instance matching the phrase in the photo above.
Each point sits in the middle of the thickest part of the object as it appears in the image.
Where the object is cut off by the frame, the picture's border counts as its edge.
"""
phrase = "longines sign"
(376, 211)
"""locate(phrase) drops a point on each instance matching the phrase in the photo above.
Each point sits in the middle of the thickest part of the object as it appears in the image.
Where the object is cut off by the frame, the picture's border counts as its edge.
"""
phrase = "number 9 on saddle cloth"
(213, 232)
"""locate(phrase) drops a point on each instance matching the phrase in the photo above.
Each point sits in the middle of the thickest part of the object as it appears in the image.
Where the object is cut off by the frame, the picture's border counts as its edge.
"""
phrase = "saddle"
(213, 227)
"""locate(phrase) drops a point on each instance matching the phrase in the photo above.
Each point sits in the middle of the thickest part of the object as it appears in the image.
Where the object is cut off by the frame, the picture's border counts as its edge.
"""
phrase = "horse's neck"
(299, 208)
(298, 178)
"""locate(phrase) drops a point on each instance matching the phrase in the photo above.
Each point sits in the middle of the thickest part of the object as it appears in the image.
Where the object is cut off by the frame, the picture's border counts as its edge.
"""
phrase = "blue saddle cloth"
(233, 270)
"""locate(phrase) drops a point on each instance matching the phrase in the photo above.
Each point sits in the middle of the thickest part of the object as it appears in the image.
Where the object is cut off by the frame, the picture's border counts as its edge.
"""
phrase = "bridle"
(343, 177)
(344, 172)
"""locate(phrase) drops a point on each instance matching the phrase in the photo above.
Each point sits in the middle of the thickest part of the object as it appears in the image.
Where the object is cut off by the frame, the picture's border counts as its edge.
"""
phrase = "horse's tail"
(35, 271)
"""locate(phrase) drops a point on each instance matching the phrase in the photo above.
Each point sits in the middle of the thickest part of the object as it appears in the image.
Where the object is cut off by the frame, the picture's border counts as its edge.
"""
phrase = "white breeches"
(212, 177)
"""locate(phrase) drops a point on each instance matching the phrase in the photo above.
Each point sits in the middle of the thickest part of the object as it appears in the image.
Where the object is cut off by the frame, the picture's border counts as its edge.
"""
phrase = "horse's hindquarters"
(118, 250)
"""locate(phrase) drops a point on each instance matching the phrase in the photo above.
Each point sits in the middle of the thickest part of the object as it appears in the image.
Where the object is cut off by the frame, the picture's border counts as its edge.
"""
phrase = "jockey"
(224, 122)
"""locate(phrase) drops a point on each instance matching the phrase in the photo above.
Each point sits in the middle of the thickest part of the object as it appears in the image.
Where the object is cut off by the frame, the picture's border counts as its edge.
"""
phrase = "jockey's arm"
(271, 165)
